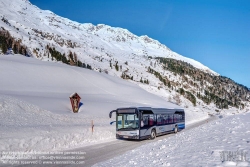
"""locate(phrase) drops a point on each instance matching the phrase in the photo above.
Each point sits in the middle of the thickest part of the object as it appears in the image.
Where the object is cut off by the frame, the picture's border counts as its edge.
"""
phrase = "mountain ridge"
(64, 32)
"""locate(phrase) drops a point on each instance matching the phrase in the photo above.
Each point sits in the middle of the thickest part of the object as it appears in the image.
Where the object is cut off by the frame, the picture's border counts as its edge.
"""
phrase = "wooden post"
(92, 126)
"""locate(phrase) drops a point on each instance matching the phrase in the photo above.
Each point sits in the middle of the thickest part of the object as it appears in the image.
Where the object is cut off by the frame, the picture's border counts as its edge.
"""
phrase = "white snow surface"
(202, 146)
(35, 110)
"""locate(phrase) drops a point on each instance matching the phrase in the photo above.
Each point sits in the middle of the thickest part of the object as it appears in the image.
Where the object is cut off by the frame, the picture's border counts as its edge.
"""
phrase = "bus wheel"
(176, 129)
(153, 135)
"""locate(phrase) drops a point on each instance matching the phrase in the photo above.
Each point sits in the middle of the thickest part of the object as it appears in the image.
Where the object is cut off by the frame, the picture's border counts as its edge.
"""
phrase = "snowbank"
(26, 127)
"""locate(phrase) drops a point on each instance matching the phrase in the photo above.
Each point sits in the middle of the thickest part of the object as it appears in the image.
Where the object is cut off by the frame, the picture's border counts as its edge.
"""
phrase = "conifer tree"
(4, 47)
(116, 66)
(84, 65)
(15, 50)
(89, 67)
(79, 63)
(169, 85)
(75, 58)
(141, 80)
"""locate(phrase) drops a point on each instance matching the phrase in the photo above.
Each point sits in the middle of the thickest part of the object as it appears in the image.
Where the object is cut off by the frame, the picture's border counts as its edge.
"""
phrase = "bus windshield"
(127, 122)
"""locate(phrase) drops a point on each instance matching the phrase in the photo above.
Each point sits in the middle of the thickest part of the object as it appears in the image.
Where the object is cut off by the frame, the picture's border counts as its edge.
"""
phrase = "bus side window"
(157, 119)
(176, 118)
(165, 118)
(145, 120)
(148, 120)
(151, 120)
(161, 120)
(170, 118)
(182, 116)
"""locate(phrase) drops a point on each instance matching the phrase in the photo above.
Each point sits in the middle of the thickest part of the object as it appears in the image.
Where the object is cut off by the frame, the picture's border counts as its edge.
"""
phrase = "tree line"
(8, 42)
(222, 91)
(70, 59)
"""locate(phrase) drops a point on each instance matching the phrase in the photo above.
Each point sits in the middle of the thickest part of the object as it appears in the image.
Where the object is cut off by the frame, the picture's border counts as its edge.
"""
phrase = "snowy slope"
(37, 79)
(223, 142)
(96, 45)
(35, 111)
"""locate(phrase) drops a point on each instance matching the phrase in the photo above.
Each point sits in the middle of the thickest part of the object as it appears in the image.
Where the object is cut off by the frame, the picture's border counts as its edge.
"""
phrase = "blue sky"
(213, 32)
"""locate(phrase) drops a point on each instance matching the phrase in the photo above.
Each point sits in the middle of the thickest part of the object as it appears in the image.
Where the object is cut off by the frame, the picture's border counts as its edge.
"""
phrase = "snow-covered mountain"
(96, 45)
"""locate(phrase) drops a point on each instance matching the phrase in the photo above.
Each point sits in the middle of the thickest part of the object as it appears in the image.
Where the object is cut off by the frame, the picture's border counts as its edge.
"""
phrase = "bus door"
(147, 122)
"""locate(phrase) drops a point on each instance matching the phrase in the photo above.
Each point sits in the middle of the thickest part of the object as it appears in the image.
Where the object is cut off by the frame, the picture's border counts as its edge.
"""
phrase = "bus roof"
(156, 110)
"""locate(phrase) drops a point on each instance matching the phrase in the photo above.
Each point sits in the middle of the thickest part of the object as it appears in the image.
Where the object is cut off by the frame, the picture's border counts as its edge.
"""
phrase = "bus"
(146, 122)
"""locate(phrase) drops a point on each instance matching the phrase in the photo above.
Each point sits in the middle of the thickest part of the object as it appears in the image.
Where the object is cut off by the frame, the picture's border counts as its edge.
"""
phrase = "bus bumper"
(127, 137)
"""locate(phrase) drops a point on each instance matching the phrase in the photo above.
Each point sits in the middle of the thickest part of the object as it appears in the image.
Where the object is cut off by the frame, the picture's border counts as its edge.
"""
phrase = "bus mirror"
(112, 122)
(110, 114)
